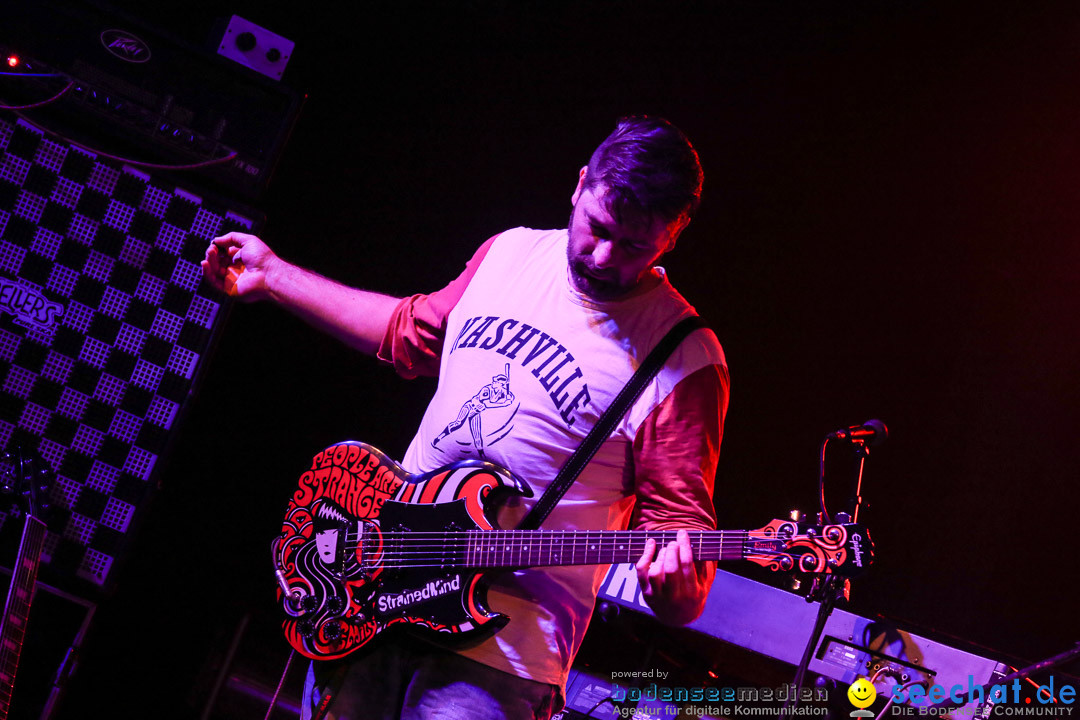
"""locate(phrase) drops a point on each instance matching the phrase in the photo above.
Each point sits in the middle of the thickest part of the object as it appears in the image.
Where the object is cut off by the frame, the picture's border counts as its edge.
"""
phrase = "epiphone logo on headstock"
(435, 588)
(30, 308)
(856, 548)
(125, 46)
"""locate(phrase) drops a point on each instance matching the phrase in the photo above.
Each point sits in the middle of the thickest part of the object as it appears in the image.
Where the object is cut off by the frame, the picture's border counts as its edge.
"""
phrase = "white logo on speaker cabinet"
(30, 308)
(125, 46)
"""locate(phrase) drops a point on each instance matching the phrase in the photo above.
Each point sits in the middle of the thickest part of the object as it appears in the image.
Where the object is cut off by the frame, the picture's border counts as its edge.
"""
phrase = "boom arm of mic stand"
(832, 589)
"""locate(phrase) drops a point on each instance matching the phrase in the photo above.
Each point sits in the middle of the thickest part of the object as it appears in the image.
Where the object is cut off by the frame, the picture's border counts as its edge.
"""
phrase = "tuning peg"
(796, 515)
(843, 517)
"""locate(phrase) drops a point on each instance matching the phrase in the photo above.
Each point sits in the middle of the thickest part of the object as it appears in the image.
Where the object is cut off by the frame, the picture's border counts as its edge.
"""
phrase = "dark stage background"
(888, 230)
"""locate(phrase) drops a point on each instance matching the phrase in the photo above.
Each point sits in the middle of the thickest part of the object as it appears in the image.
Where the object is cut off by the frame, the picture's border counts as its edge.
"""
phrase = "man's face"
(607, 259)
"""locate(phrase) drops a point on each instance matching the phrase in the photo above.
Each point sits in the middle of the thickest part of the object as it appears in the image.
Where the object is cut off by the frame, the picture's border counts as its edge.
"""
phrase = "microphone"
(873, 432)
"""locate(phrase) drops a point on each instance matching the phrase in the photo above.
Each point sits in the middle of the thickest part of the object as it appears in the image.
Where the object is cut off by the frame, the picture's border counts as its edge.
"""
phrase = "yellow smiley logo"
(861, 693)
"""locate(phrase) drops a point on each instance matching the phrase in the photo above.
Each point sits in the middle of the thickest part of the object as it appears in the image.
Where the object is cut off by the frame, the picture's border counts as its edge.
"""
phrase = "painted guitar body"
(339, 584)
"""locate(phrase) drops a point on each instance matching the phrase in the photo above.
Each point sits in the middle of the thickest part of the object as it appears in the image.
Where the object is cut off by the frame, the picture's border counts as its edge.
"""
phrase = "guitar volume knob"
(332, 630)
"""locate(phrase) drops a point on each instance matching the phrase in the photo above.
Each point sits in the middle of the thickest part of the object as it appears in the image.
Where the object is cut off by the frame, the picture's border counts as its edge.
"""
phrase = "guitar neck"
(544, 548)
(17, 607)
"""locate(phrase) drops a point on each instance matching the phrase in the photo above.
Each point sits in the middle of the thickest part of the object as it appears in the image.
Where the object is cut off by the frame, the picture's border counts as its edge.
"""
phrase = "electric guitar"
(366, 546)
(26, 475)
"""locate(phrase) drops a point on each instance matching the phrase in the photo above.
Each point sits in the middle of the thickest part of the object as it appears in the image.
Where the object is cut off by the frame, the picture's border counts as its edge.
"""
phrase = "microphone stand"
(829, 590)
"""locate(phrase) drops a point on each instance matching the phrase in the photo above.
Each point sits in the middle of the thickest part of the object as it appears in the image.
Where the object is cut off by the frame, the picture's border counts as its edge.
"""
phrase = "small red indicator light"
(13, 61)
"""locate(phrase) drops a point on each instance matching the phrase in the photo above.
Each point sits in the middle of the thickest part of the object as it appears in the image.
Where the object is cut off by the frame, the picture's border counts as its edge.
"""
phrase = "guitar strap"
(606, 424)
(329, 689)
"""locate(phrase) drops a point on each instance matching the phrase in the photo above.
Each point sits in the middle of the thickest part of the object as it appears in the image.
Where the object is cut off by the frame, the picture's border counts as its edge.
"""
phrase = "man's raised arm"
(242, 266)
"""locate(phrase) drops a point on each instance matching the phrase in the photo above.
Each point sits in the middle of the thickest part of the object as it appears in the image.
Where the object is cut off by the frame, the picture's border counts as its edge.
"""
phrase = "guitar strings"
(464, 563)
(409, 549)
(407, 544)
(467, 554)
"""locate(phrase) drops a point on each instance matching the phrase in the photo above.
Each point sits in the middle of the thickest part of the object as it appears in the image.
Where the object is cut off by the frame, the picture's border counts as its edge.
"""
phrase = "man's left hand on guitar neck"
(674, 585)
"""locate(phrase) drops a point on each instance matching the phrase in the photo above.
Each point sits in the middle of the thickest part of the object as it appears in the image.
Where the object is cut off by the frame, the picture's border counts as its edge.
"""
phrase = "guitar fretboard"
(537, 548)
(17, 607)
(775, 546)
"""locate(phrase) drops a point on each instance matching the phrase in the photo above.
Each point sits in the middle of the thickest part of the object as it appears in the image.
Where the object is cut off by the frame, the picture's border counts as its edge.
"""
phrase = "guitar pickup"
(340, 549)
(366, 544)
(371, 548)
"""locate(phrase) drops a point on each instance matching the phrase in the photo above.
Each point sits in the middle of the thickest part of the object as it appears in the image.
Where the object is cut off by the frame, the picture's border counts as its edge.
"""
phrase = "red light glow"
(13, 61)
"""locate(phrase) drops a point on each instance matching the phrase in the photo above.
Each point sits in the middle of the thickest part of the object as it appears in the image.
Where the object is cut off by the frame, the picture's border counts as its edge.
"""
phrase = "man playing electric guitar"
(575, 311)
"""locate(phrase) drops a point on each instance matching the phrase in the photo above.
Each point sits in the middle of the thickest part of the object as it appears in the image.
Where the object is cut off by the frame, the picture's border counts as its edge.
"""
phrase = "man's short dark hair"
(649, 168)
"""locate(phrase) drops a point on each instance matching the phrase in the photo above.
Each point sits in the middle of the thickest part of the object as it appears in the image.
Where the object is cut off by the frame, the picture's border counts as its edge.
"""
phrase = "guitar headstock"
(24, 481)
(843, 549)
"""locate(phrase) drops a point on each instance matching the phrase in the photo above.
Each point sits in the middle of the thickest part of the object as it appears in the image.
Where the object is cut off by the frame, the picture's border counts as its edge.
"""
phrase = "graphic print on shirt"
(546, 358)
(496, 394)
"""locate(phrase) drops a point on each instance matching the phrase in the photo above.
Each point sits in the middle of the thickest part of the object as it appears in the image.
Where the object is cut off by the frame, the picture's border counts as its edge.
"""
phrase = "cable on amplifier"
(129, 161)
(54, 98)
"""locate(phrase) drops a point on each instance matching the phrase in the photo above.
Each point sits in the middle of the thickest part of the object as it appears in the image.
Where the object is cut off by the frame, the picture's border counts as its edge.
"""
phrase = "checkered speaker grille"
(104, 325)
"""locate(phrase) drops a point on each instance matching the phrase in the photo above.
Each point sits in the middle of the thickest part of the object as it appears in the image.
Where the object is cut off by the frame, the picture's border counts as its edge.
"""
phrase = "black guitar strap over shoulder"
(606, 424)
